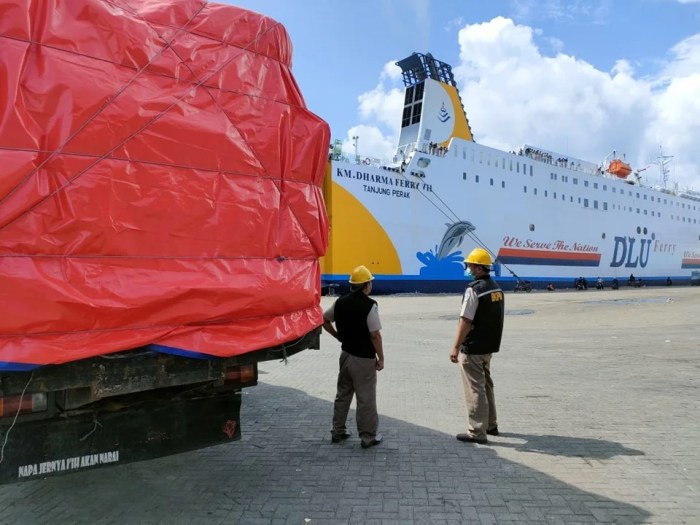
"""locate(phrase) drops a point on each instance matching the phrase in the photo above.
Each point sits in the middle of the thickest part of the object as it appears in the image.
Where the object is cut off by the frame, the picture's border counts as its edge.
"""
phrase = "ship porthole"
(532, 227)
(603, 236)
(645, 231)
(639, 230)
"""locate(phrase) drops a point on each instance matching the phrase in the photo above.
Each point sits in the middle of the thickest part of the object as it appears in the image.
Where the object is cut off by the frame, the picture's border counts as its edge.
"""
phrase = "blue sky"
(581, 77)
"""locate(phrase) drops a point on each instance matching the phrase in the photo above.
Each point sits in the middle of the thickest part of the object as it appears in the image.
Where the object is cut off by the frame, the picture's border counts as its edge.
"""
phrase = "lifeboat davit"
(619, 168)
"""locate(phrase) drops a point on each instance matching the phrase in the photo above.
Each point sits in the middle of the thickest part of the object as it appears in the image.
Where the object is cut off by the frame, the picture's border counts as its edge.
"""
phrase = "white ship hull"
(544, 218)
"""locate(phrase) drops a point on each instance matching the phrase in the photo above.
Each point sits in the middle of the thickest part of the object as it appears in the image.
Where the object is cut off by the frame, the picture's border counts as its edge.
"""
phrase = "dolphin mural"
(445, 262)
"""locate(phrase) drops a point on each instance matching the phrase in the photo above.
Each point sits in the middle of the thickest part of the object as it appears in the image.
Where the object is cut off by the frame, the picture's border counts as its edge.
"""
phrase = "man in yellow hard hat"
(479, 337)
(358, 328)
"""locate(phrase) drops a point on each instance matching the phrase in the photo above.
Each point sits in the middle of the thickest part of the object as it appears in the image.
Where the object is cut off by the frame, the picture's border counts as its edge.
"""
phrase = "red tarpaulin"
(159, 181)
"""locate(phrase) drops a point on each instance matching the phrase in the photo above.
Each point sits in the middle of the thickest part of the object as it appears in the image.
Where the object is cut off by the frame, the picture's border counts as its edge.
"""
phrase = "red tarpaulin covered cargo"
(159, 181)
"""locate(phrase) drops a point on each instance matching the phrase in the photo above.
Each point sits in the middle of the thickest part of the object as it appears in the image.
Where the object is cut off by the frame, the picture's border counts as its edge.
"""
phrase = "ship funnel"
(433, 112)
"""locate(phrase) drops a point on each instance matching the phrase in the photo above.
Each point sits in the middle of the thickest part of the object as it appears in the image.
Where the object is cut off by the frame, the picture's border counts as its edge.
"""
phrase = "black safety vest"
(487, 325)
(351, 313)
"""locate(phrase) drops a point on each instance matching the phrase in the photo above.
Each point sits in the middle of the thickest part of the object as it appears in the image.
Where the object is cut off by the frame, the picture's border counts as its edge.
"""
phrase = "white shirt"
(469, 304)
(373, 322)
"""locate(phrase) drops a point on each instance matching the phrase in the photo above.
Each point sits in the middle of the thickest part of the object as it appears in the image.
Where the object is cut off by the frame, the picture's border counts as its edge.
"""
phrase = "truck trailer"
(161, 223)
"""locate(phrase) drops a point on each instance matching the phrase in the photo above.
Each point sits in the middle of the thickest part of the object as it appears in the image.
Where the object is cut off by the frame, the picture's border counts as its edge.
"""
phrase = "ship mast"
(663, 161)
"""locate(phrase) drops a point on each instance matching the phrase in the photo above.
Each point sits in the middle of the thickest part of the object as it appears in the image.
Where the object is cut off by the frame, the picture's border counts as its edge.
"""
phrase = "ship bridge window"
(637, 210)
(517, 167)
(419, 91)
(409, 95)
(585, 183)
(531, 170)
(595, 185)
(476, 178)
(645, 197)
(491, 182)
(605, 206)
(472, 156)
(614, 189)
(464, 175)
(511, 164)
(503, 163)
(524, 189)
(595, 205)
(503, 184)
(534, 190)
(417, 107)
(554, 195)
(532, 227)
(545, 193)
(585, 203)
(406, 119)
(575, 180)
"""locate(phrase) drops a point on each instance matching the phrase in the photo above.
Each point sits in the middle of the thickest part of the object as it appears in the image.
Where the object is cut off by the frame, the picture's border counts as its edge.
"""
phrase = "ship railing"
(562, 162)
(376, 162)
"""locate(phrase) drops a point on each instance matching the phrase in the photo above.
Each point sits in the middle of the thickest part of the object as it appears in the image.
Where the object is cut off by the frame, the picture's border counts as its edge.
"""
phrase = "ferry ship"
(545, 217)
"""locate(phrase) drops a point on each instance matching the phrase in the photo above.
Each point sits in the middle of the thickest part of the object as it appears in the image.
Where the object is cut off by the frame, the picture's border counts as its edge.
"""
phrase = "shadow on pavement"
(285, 470)
(567, 446)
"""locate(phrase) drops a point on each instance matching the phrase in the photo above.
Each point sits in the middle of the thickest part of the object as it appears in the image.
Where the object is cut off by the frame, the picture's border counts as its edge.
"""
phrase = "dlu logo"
(443, 115)
(628, 253)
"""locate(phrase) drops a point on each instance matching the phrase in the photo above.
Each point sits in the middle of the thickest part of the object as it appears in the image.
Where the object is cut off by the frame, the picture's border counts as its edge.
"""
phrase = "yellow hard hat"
(361, 275)
(479, 256)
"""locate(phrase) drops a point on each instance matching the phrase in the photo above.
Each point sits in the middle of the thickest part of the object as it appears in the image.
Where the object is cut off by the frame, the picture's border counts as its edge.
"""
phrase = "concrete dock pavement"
(598, 404)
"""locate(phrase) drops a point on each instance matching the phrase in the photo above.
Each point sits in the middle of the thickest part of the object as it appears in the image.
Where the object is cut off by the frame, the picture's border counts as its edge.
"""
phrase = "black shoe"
(337, 438)
(468, 438)
(377, 439)
(493, 431)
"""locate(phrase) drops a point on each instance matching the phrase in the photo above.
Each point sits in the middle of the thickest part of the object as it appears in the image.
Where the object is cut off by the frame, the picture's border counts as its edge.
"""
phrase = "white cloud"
(371, 143)
(381, 106)
(514, 94)
(685, 58)
(391, 71)
(381, 109)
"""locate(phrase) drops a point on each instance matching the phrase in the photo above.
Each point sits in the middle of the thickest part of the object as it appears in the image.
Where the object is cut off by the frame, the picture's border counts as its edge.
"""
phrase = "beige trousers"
(357, 376)
(478, 393)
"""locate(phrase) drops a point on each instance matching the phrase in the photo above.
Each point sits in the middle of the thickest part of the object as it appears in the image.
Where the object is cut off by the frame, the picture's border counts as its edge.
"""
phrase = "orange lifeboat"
(619, 168)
